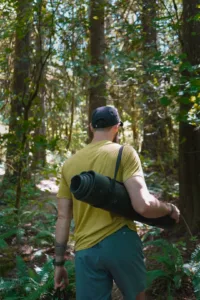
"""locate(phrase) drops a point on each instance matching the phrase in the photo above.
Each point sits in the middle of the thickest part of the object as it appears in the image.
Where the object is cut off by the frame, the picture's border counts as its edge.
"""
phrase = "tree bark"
(154, 135)
(39, 139)
(189, 135)
(19, 91)
(38, 109)
(97, 90)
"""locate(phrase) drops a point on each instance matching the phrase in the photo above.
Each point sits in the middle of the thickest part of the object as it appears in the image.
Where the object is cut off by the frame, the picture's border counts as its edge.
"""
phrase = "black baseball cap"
(105, 116)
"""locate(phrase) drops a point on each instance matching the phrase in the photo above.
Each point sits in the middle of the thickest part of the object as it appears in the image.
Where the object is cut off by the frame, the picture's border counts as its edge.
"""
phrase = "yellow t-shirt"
(94, 224)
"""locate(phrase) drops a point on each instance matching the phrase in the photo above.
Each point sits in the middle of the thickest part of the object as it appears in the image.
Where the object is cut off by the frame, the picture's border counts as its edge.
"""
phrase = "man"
(107, 246)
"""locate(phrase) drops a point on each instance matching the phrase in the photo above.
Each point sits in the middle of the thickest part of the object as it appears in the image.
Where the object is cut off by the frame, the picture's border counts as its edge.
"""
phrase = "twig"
(187, 226)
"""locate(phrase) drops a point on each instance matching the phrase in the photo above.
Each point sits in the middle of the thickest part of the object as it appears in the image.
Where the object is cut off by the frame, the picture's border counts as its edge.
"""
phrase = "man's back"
(92, 224)
(109, 247)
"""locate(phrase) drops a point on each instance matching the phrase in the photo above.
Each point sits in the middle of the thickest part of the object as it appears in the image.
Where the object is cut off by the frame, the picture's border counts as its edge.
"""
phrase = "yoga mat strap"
(113, 181)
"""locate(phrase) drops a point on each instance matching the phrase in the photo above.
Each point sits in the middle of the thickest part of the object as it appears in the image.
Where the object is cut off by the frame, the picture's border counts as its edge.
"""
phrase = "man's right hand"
(60, 278)
(175, 214)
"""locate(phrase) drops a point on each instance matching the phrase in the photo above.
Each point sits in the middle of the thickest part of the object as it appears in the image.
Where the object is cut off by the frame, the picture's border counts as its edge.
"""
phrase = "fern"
(45, 280)
(171, 256)
(7, 285)
(3, 244)
(32, 285)
(192, 269)
(44, 237)
(196, 254)
(8, 234)
(21, 268)
(173, 266)
(154, 232)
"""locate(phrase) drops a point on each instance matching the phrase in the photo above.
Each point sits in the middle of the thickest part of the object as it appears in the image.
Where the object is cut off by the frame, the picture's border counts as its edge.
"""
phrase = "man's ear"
(116, 127)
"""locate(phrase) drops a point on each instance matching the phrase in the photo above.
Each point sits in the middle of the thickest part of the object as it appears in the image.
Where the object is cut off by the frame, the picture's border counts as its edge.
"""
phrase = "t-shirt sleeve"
(64, 190)
(131, 164)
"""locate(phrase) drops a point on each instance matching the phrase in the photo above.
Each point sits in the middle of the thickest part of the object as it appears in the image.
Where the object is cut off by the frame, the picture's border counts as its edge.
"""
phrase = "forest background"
(61, 59)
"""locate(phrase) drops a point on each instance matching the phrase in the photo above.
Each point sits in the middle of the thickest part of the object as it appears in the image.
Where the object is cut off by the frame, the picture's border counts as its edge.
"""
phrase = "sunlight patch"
(48, 185)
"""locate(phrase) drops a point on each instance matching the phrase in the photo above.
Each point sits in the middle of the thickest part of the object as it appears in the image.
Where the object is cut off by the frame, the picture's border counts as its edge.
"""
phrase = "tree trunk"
(97, 90)
(73, 49)
(39, 148)
(153, 126)
(19, 92)
(189, 138)
(38, 109)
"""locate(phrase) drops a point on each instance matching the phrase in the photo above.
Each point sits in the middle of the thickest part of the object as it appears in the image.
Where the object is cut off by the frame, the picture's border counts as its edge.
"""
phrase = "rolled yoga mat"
(108, 194)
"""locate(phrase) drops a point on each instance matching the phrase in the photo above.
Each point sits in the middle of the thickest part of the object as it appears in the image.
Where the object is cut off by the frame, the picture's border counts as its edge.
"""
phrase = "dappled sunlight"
(2, 171)
(48, 185)
(71, 74)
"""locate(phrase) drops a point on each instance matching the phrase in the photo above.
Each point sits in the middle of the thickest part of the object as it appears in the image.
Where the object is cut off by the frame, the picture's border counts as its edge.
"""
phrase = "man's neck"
(98, 137)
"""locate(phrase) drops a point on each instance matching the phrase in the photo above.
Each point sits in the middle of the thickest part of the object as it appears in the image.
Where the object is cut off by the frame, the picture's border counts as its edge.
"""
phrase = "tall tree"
(26, 83)
(97, 90)
(38, 110)
(149, 36)
(189, 143)
(39, 139)
(19, 89)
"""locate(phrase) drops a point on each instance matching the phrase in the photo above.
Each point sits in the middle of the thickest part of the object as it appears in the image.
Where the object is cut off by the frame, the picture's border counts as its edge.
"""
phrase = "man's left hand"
(61, 280)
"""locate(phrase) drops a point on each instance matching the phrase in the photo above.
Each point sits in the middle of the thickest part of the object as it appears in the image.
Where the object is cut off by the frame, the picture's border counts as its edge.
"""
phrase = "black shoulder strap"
(118, 161)
(116, 170)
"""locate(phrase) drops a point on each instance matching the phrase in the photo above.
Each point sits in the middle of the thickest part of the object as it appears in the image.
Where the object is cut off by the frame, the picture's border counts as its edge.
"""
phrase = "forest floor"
(158, 290)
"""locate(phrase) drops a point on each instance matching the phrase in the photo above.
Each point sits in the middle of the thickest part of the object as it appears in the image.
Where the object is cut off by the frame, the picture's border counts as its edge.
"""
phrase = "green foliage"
(35, 218)
(151, 233)
(7, 260)
(165, 101)
(192, 269)
(33, 224)
(171, 260)
(136, 76)
(44, 237)
(33, 283)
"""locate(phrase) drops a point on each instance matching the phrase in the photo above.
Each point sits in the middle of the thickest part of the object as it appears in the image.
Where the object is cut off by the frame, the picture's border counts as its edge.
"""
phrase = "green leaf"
(3, 244)
(165, 101)
(21, 267)
(8, 234)
(154, 274)
(33, 275)
(178, 280)
(185, 66)
(184, 100)
(8, 50)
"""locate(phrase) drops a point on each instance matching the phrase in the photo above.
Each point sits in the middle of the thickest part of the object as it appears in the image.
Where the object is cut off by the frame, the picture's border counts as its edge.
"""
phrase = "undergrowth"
(171, 266)
(33, 283)
(35, 225)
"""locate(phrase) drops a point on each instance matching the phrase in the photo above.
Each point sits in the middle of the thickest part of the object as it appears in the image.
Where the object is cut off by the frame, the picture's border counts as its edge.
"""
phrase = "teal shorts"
(118, 257)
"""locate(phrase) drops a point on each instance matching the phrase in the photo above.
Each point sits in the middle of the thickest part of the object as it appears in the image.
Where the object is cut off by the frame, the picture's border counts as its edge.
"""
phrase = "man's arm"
(65, 208)
(146, 204)
(62, 234)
